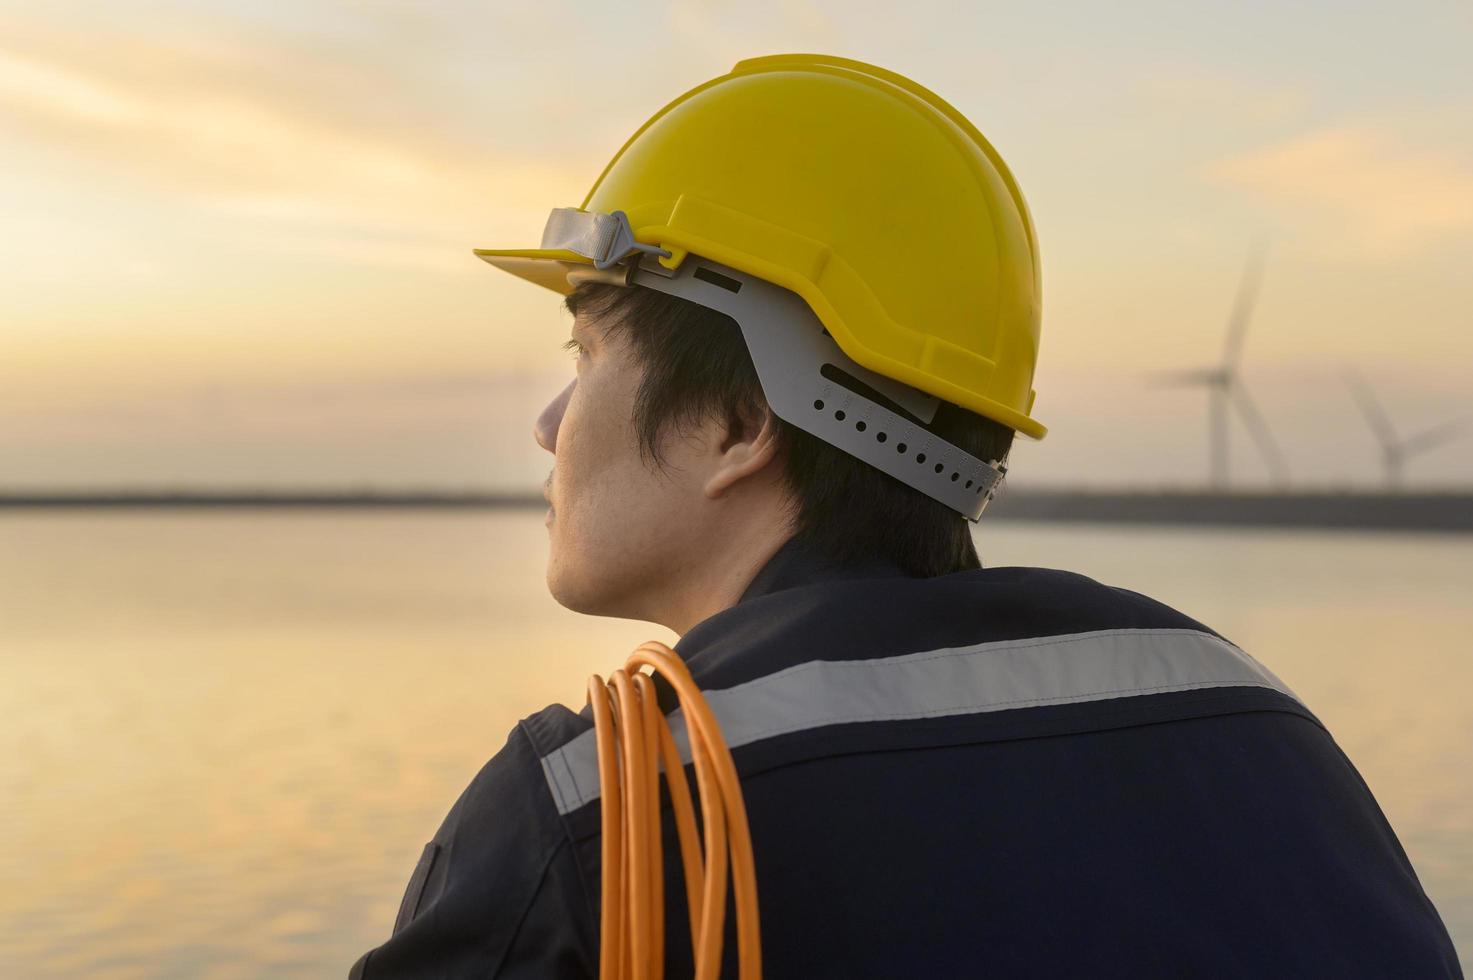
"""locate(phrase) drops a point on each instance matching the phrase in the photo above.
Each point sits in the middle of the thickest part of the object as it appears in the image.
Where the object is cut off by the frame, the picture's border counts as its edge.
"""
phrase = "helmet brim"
(547, 267)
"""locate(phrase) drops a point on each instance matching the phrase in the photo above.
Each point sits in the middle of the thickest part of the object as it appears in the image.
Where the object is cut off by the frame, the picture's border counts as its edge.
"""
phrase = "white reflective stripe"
(995, 676)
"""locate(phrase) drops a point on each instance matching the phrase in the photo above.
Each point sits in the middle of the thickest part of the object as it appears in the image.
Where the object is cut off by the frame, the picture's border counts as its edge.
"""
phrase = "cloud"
(1204, 92)
(276, 146)
(325, 406)
(727, 34)
(1382, 194)
(26, 81)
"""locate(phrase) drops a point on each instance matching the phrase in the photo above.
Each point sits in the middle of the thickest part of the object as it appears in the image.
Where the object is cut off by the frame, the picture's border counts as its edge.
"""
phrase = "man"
(805, 302)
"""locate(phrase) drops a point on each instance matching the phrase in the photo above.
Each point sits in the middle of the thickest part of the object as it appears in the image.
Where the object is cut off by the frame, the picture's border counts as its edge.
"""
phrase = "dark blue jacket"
(1011, 772)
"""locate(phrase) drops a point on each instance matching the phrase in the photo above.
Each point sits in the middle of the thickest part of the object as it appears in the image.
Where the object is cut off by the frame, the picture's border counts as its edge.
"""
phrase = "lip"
(548, 518)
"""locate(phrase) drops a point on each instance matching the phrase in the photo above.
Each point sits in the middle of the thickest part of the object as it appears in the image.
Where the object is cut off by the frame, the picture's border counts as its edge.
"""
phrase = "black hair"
(697, 368)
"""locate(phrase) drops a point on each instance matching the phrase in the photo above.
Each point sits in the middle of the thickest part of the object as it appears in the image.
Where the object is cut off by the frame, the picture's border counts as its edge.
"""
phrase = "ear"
(744, 455)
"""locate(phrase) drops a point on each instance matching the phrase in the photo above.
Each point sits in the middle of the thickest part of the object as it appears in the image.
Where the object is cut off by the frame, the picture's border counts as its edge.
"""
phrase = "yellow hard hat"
(853, 187)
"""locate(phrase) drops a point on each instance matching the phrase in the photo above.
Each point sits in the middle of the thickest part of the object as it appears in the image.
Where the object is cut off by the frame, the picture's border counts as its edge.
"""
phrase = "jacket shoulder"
(881, 617)
(497, 870)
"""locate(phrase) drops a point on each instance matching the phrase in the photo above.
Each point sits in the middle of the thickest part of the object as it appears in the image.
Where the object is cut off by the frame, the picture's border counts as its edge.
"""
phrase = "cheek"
(602, 406)
(602, 478)
(570, 424)
(588, 443)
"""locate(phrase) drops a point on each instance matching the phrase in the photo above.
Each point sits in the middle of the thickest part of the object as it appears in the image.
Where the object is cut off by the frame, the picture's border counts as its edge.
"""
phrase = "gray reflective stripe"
(995, 676)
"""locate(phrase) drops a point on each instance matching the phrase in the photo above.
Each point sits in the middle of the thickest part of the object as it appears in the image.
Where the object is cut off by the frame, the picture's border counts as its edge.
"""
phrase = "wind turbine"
(1395, 450)
(1225, 387)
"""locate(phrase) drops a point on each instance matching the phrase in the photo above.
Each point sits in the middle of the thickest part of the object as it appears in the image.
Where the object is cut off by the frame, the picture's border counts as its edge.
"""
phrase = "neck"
(716, 576)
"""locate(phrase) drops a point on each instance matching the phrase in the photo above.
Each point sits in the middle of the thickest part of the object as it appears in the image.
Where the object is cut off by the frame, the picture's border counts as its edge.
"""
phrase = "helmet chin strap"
(811, 383)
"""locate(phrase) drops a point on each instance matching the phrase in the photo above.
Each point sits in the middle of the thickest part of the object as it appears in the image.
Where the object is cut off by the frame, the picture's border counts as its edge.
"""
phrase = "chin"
(573, 588)
(589, 586)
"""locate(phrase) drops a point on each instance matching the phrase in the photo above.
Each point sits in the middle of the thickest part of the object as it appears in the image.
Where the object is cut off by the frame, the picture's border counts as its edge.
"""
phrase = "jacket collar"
(793, 565)
(796, 564)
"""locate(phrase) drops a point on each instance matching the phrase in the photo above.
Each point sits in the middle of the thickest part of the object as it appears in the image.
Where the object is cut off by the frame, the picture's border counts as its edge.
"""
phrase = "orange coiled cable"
(633, 740)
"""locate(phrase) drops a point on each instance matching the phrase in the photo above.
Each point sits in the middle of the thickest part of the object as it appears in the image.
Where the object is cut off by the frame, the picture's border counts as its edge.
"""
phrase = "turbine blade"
(1375, 416)
(1436, 436)
(1178, 379)
(1243, 307)
(1258, 428)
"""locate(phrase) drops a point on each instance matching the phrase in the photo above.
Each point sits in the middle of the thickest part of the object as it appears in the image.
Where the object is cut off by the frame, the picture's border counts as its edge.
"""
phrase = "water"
(227, 736)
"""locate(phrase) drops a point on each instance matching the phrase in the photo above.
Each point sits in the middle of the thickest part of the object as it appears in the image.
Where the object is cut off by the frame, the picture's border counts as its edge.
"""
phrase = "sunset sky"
(236, 246)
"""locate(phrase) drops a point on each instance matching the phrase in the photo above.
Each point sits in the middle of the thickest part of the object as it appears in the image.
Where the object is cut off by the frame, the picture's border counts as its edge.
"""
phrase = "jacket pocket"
(412, 894)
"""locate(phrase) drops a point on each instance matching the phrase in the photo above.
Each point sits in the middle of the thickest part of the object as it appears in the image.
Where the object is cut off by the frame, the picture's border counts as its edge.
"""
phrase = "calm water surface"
(224, 738)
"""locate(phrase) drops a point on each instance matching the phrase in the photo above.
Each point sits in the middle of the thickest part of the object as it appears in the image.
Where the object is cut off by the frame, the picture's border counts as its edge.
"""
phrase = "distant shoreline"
(1411, 511)
(251, 499)
(1428, 511)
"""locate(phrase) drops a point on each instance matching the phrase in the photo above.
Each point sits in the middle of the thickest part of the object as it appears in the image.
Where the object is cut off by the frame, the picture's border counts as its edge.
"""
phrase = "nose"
(546, 426)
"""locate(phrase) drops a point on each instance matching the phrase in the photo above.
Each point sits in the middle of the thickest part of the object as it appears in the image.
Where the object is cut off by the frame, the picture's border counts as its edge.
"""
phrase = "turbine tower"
(1225, 387)
(1394, 449)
